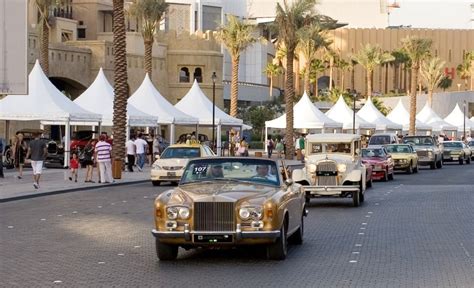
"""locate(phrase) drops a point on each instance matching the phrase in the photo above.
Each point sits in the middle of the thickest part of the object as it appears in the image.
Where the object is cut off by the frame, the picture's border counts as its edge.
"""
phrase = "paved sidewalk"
(55, 181)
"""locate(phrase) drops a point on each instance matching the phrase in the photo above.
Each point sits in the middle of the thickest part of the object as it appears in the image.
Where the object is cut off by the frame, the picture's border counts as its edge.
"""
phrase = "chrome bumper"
(330, 190)
(188, 235)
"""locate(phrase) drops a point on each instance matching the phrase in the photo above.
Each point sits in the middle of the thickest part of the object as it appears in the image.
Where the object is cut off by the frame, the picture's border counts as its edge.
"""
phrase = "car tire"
(156, 183)
(410, 168)
(385, 176)
(297, 237)
(468, 160)
(279, 249)
(391, 175)
(433, 165)
(417, 168)
(307, 199)
(439, 164)
(166, 252)
(369, 183)
(356, 198)
(461, 161)
(361, 193)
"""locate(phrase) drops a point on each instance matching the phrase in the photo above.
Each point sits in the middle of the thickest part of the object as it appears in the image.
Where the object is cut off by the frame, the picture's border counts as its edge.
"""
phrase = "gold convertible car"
(226, 202)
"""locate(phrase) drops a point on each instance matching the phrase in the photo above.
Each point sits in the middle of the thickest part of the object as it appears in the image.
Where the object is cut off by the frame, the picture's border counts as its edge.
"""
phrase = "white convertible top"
(333, 137)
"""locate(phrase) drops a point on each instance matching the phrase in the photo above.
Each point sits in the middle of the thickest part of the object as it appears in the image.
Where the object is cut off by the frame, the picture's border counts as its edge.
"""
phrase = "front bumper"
(330, 190)
(377, 175)
(452, 158)
(237, 235)
(425, 161)
(164, 175)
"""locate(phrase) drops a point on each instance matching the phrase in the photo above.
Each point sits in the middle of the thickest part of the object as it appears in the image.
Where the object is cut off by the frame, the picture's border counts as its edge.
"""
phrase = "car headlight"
(312, 168)
(156, 167)
(246, 213)
(176, 212)
(341, 168)
(403, 160)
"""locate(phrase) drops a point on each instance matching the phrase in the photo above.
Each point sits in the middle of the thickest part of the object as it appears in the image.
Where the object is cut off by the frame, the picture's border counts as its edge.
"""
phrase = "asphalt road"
(415, 231)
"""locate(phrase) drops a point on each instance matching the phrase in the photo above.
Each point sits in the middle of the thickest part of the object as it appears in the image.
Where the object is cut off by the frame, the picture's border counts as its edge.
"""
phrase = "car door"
(295, 198)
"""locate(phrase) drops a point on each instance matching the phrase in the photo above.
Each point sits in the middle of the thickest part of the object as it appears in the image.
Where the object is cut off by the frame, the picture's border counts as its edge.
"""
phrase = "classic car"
(333, 167)
(471, 147)
(227, 202)
(404, 157)
(456, 151)
(382, 139)
(381, 162)
(169, 166)
(429, 151)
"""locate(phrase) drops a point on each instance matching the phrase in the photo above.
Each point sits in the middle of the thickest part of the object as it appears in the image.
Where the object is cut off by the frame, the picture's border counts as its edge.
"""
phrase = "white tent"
(99, 98)
(197, 104)
(148, 99)
(371, 114)
(340, 112)
(401, 116)
(45, 102)
(305, 116)
(429, 117)
(457, 118)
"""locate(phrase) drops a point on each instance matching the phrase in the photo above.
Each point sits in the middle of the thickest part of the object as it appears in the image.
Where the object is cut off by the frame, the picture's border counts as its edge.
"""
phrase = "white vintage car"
(333, 167)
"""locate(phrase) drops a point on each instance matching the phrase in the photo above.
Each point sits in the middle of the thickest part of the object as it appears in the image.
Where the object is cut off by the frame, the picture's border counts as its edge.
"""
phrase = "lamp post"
(354, 96)
(214, 77)
(464, 120)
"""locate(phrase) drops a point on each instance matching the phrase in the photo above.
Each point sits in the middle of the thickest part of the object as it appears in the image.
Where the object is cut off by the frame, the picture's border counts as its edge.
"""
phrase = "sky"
(448, 14)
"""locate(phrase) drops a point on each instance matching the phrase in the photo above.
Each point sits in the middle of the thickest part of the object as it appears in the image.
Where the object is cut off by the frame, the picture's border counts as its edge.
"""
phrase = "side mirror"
(157, 157)
(289, 182)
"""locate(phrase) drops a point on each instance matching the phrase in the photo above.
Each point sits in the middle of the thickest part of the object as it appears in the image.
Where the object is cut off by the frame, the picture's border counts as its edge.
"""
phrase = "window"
(198, 75)
(81, 33)
(184, 75)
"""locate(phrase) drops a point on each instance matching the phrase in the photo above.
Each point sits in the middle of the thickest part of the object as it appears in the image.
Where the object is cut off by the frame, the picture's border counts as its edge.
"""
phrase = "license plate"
(212, 239)
(171, 174)
(326, 173)
(455, 158)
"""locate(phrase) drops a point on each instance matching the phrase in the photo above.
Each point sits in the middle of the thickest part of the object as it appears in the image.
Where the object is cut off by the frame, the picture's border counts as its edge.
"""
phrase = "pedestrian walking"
(103, 155)
(243, 148)
(131, 153)
(270, 146)
(89, 160)
(141, 147)
(37, 152)
(279, 148)
(19, 153)
(74, 166)
(156, 147)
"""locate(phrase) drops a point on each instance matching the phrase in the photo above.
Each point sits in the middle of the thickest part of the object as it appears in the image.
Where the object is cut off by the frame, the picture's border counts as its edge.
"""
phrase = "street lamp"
(354, 96)
(214, 77)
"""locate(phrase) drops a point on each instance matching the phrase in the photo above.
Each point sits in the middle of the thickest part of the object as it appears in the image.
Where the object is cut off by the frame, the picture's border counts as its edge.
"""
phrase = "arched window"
(184, 75)
(198, 75)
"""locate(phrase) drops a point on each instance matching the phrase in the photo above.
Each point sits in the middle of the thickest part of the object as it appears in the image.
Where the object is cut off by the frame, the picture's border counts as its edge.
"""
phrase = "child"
(74, 167)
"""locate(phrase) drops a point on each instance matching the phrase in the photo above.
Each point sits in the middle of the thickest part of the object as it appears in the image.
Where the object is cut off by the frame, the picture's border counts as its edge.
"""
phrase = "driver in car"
(263, 172)
(216, 171)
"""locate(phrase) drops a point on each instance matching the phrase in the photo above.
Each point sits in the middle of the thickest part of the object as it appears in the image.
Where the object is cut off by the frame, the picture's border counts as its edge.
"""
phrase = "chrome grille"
(327, 166)
(447, 153)
(213, 216)
(172, 168)
(422, 153)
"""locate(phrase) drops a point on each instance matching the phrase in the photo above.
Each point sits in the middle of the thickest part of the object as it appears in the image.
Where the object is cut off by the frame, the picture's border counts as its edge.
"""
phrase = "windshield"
(180, 152)
(398, 149)
(471, 143)
(374, 152)
(246, 170)
(452, 144)
(379, 140)
(419, 141)
(344, 148)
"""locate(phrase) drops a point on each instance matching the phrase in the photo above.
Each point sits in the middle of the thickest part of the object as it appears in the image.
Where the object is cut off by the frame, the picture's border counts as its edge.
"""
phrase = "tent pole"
(219, 139)
(67, 144)
(266, 137)
(172, 128)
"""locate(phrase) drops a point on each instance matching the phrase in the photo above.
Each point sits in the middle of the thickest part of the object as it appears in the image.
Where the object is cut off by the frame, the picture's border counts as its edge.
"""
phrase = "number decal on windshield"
(200, 169)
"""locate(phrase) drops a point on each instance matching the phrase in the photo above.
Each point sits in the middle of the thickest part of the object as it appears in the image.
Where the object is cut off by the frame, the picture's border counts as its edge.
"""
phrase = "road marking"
(362, 228)
(112, 203)
(361, 233)
(358, 245)
(364, 223)
(101, 262)
(99, 206)
(124, 201)
(57, 281)
(42, 219)
(353, 261)
(356, 252)
(145, 197)
(74, 212)
(370, 212)
(60, 215)
(367, 216)
(376, 204)
(136, 246)
(10, 227)
(121, 254)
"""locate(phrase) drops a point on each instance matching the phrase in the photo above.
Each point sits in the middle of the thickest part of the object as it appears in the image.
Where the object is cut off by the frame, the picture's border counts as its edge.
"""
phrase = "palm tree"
(149, 13)
(272, 70)
(432, 74)
(343, 66)
(370, 57)
(311, 38)
(236, 36)
(416, 48)
(44, 6)
(330, 57)
(400, 58)
(289, 19)
(121, 88)
(317, 66)
(465, 68)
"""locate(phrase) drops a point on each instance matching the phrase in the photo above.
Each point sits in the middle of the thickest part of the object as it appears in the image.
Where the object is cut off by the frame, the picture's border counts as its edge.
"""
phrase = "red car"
(380, 161)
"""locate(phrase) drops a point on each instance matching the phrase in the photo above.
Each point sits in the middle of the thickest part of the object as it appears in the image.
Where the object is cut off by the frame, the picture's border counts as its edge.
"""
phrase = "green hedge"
(256, 145)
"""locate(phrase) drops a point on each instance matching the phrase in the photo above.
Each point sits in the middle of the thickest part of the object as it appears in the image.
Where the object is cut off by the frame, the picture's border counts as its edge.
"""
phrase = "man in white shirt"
(141, 146)
(131, 153)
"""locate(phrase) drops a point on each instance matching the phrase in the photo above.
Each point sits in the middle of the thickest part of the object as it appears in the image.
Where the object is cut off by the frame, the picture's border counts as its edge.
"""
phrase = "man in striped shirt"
(103, 156)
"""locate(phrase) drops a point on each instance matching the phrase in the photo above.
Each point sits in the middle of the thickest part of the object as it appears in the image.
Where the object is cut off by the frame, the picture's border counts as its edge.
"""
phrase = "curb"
(63, 191)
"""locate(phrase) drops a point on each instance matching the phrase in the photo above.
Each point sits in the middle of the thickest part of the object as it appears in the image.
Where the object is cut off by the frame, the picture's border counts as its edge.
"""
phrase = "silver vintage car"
(333, 167)
(457, 151)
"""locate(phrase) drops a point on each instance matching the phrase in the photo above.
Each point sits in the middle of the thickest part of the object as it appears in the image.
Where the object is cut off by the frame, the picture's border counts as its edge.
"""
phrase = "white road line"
(353, 261)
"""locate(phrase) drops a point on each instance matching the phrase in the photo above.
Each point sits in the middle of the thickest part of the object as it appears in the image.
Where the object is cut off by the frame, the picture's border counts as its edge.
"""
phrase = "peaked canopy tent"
(401, 116)
(340, 112)
(99, 98)
(371, 114)
(196, 103)
(429, 117)
(149, 100)
(45, 103)
(457, 118)
(305, 116)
